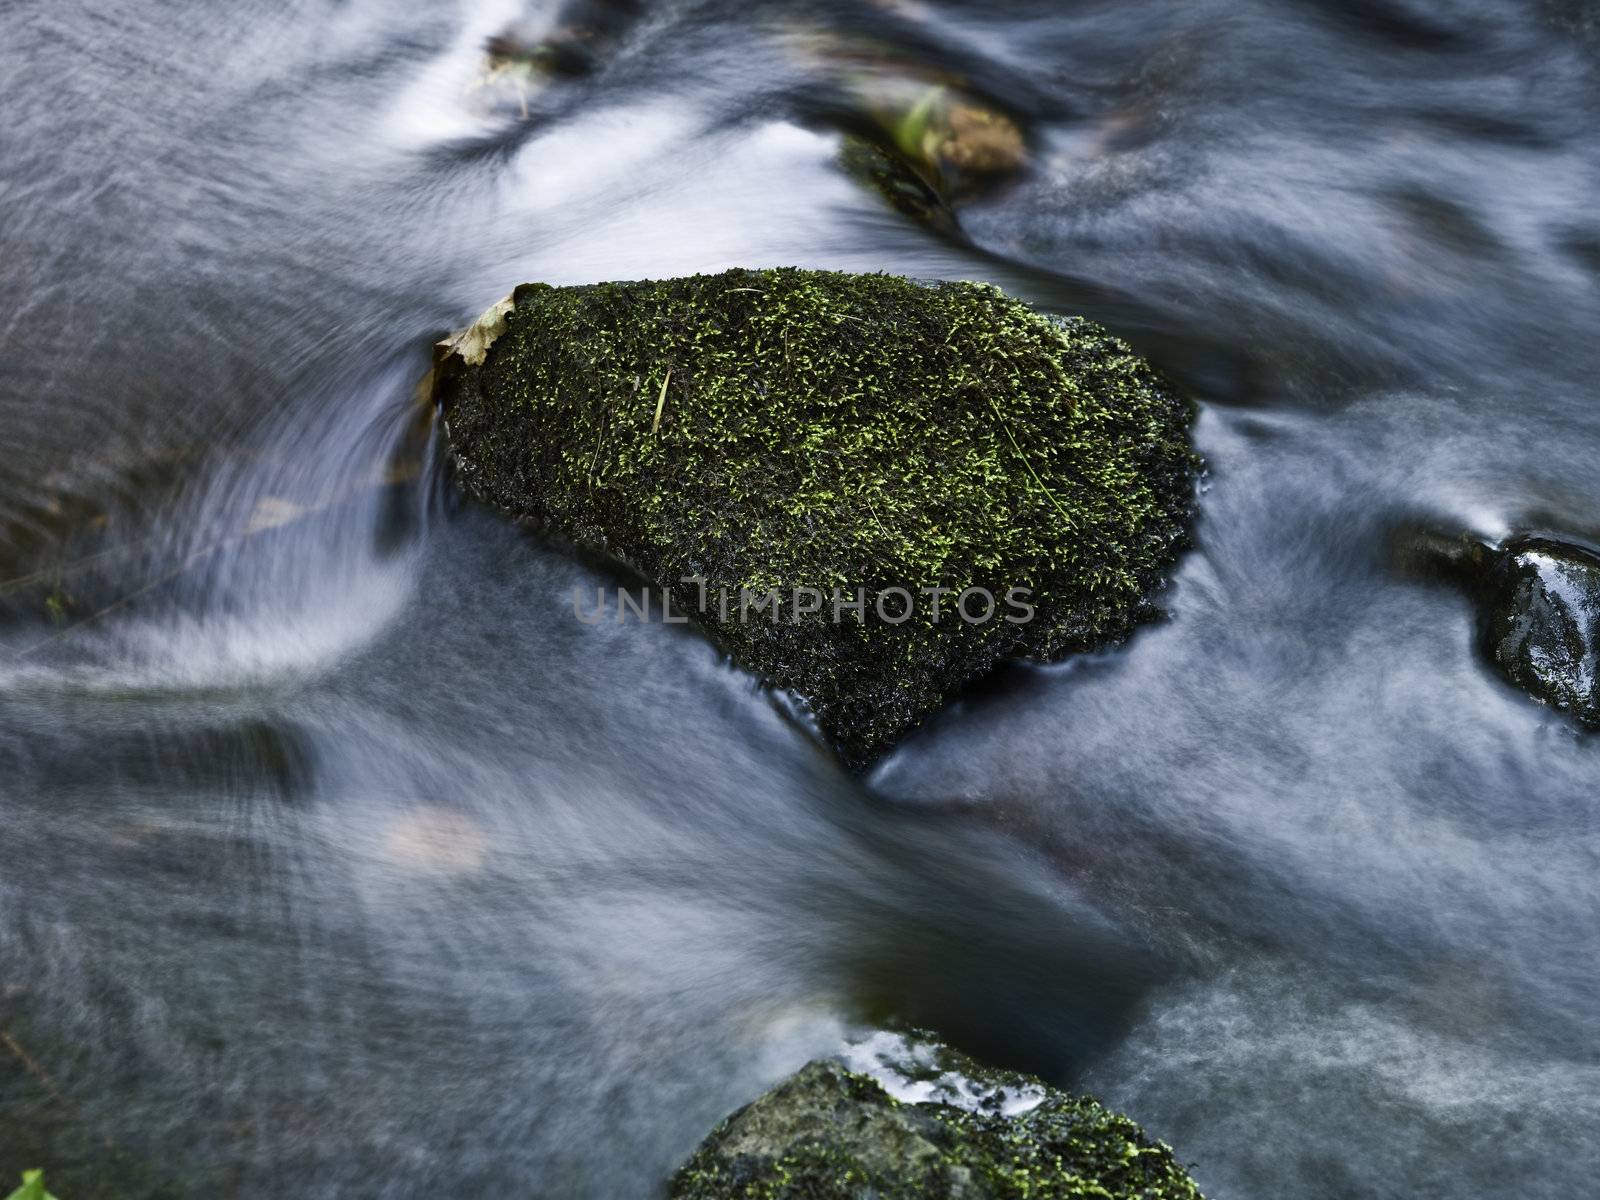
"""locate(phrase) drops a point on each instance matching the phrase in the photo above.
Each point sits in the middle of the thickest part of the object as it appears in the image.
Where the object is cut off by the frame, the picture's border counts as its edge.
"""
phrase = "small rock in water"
(915, 126)
(1541, 623)
(1539, 612)
(830, 1133)
(905, 190)
(961, 142)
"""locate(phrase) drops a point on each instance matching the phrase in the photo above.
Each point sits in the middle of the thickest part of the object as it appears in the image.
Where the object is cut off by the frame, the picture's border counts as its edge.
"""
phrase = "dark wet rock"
(825, 438)
(892, 178)
(1539, 612)
(1541, 623)
(828, 1133)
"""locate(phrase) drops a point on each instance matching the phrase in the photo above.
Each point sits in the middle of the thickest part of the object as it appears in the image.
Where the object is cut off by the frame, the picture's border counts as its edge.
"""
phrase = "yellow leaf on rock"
(473, 342)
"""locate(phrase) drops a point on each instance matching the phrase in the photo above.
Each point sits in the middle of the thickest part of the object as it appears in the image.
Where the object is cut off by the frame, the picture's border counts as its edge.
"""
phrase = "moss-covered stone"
(827, 1133)
(782, 430)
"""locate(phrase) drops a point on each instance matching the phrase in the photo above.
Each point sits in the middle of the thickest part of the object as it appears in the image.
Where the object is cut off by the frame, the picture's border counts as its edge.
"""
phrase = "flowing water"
(338, 858)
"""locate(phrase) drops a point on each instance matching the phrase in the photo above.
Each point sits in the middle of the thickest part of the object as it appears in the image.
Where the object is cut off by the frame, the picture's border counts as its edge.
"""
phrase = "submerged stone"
(579, 38)
(905, 190)
(959, 142)
(867, 490)
(828, 1133)
(1538, 613)
(915, 124)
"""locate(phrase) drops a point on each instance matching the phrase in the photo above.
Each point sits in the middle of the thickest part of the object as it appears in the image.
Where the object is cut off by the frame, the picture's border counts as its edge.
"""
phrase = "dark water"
(338, 858)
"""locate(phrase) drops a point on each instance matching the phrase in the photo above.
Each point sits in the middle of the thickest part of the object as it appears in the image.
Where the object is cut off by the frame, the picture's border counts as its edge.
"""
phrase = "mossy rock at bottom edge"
(826, 1133)
(784, 430)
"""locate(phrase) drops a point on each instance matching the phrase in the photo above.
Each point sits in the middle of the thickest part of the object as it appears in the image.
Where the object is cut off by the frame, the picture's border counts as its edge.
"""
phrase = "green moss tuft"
(806, 429)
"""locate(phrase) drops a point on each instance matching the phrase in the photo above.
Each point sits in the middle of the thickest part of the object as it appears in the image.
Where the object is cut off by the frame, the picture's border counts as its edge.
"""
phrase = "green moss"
(830, 1134)
(805, 429)
(1068, 1146)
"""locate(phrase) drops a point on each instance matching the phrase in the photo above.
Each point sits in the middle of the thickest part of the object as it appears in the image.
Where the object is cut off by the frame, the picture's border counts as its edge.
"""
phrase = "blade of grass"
(661, 403)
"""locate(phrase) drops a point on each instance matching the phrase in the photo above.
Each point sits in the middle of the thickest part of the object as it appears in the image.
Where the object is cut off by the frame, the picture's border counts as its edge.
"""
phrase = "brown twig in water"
(31, 1065)
(77, 566)
(121, 601)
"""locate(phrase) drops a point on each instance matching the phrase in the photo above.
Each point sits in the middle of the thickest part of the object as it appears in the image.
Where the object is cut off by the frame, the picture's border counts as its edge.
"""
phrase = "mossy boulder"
(828, 1133)
(826, 438)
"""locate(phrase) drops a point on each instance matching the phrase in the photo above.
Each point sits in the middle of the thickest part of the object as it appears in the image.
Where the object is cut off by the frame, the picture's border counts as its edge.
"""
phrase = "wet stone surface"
(1541, 623)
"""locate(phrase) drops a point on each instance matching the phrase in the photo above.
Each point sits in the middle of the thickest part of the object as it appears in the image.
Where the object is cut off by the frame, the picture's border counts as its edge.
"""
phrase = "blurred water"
(337, 856)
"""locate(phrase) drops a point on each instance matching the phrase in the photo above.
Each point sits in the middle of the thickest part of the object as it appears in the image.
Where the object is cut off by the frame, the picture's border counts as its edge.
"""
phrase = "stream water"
(338, 858)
